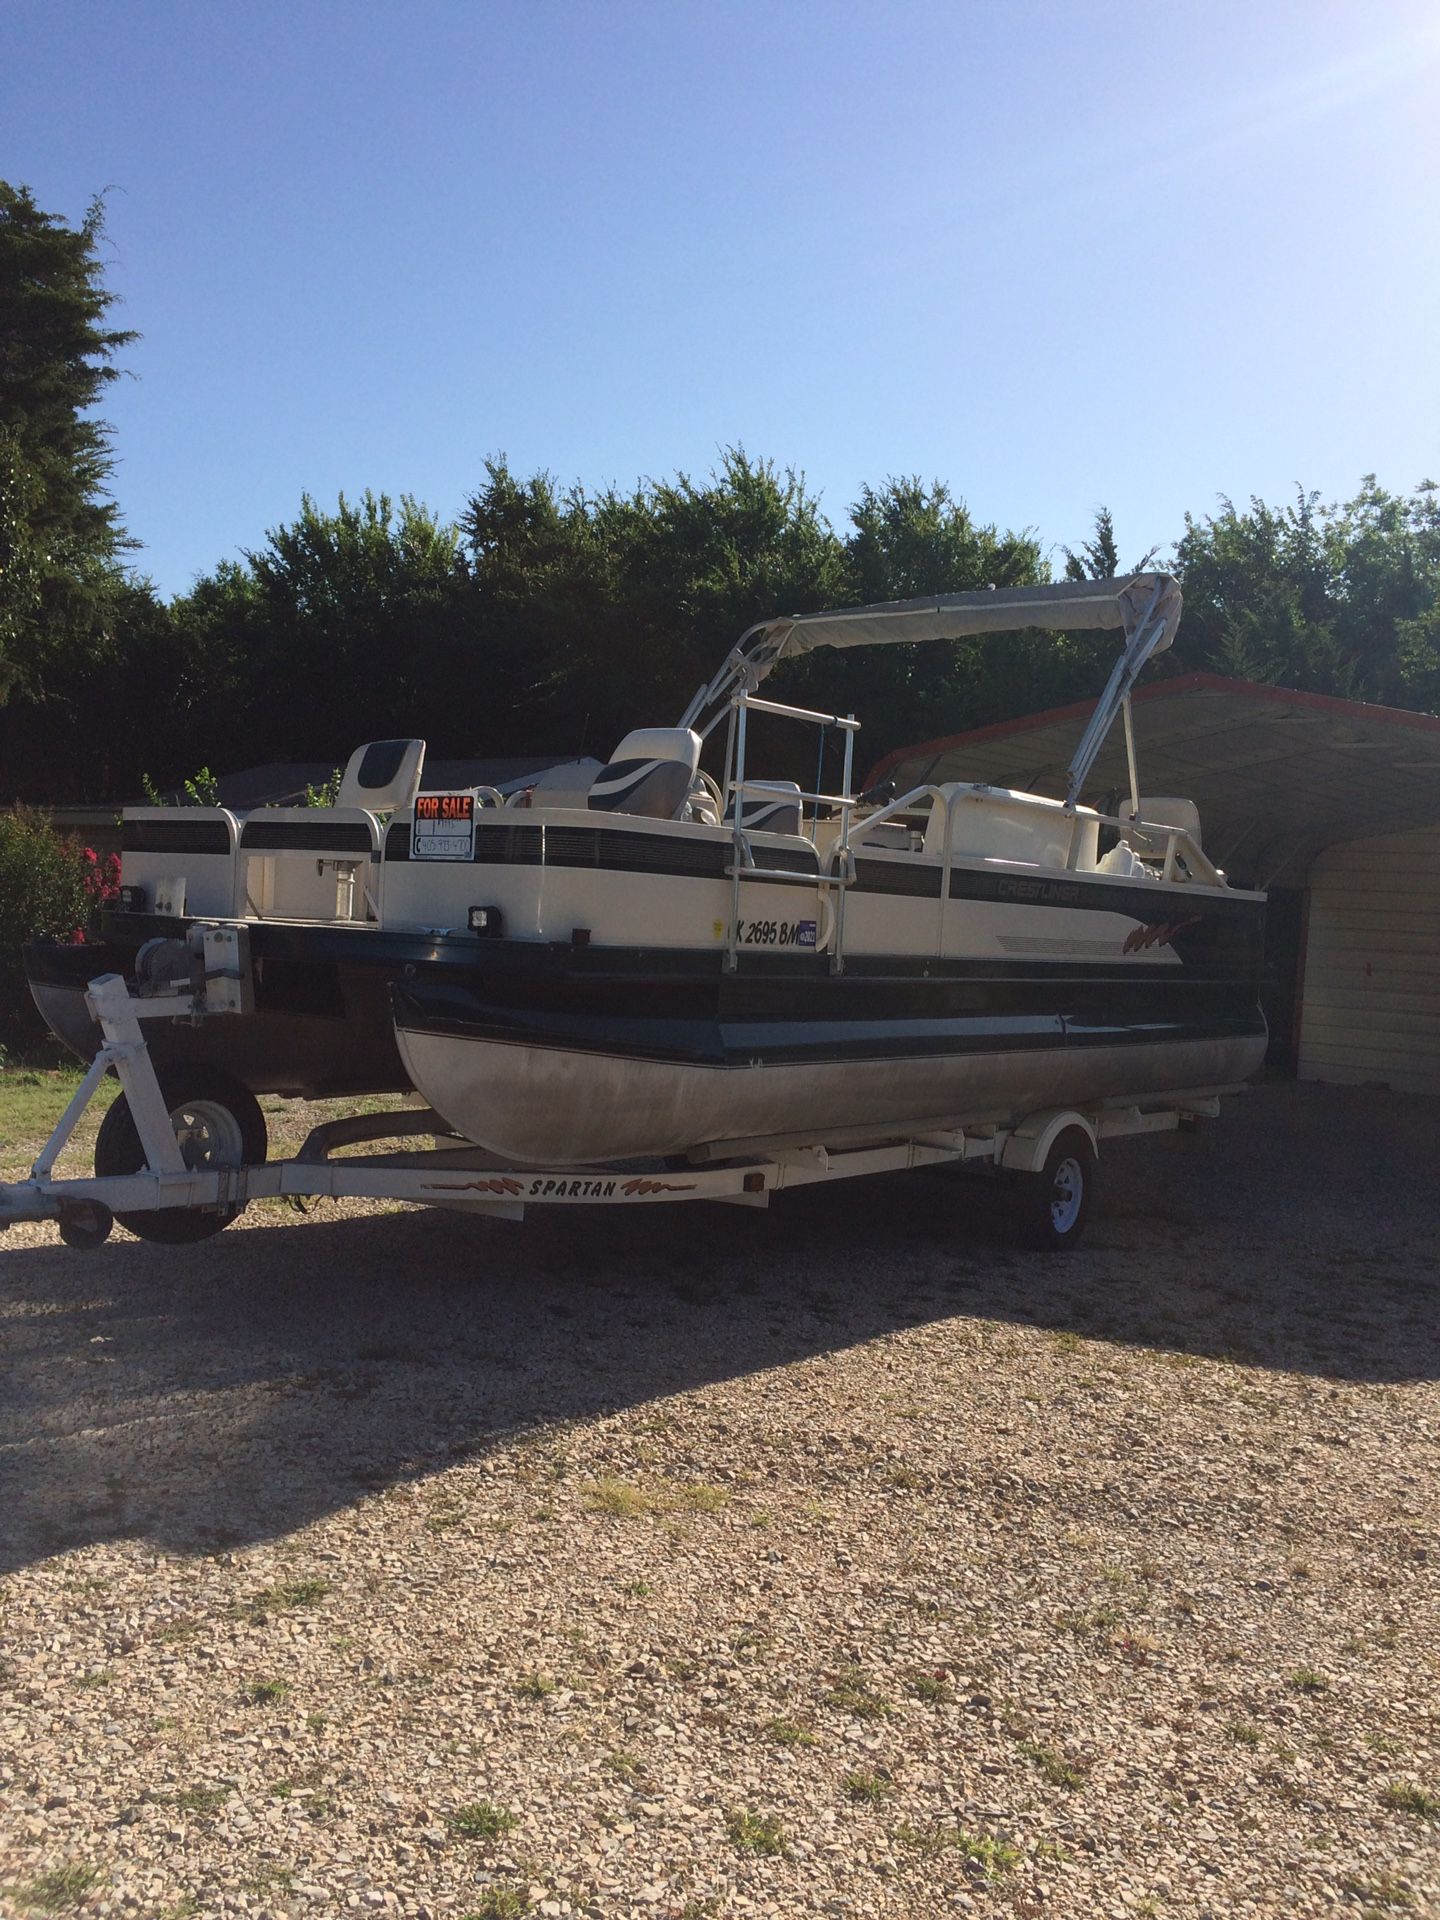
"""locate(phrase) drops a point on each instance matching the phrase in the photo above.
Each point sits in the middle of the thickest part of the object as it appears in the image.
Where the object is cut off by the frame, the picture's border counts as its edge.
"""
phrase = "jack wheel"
(85, 1223)
(217, 1122)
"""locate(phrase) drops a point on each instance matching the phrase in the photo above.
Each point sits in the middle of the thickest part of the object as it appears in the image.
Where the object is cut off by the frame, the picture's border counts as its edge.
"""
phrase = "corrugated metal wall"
(1371, 1007)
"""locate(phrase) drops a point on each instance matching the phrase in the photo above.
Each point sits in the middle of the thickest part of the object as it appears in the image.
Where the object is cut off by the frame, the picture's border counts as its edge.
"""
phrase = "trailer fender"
(1028, 1147)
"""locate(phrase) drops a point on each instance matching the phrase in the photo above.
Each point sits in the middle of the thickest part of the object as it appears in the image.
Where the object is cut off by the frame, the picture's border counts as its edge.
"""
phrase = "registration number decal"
(775, 933)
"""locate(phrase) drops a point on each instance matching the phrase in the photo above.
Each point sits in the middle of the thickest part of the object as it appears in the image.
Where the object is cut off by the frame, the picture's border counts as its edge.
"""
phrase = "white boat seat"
(651, 774)
(761, 814)
(383, 776)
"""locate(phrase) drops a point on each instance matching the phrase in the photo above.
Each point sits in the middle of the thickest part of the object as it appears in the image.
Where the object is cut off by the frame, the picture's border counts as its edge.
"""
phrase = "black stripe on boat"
(174, 836)
(607, 850)
(723, 1038)
(298, 836)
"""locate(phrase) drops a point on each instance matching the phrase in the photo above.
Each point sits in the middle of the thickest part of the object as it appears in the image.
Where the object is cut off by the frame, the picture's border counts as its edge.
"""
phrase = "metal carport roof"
(1278, 775)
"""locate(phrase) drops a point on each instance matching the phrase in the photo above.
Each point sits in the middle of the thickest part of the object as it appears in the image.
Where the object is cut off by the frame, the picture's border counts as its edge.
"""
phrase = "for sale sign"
(444, 827)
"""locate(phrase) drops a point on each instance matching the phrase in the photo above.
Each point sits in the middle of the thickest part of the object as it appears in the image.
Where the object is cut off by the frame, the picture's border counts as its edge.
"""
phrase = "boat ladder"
(832, 886)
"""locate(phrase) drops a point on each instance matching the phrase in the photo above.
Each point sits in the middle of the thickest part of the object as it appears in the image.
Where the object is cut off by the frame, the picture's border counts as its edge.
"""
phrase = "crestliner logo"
(1160, 933)
(1048, 892)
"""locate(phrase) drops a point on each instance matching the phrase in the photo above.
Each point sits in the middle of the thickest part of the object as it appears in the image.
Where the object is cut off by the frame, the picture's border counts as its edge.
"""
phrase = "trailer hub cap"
(1066, 1195)
(208, 1134)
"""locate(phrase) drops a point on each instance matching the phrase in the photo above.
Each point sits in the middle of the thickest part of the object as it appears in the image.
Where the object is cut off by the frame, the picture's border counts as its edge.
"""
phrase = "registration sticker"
(444, 827)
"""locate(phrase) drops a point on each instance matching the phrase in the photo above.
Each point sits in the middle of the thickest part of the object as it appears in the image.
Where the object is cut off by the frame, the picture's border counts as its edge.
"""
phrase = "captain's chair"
(651, 774)
(384, 776)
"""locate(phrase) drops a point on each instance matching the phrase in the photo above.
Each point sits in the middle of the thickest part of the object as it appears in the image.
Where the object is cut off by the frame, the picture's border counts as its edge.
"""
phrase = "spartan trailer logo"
(1160, 933)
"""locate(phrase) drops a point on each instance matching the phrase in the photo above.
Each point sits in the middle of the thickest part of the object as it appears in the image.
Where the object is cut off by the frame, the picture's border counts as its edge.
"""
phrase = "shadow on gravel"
(214, 1396)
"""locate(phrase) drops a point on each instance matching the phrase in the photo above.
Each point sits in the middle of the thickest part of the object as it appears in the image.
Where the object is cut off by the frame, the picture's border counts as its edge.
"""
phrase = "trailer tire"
(218, 1123)
(1052, 1206)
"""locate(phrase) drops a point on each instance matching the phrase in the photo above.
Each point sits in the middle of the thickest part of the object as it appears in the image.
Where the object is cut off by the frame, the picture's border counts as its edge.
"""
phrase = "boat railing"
(1184, 859)
(1181, 846)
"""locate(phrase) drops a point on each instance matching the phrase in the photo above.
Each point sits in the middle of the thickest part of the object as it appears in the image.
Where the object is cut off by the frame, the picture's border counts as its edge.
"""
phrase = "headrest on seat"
(383, 776)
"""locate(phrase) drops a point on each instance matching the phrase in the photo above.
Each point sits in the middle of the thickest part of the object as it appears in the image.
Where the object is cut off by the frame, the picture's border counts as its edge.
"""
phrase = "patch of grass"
(316, 1722)
(500, 1903)
(698, 1496)
(1053, 1850)
(624, 1764)
(270, 1879)
(58, 1890)
(852, 1694)
(617, 1498)
(1405, 1797)
(1054, 1767)
(267, 1693)
(283, 1596)
(199, 1799)
(443, 1519)
(638, 1590)
(787, 1734)
(868, 1785)
(481, 1821)
(993, 1857)
(755, 1832)
(1307, 1680)
(932, 1687)
(1242, 1733)
(1382, 1744)
(97, 1677)
(1090, 1620)
(33, 1098)
(535, 1686)
(1385, 1893)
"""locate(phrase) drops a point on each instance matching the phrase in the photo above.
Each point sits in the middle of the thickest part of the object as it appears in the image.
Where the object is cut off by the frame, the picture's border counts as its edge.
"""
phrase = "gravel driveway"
(706, 1562)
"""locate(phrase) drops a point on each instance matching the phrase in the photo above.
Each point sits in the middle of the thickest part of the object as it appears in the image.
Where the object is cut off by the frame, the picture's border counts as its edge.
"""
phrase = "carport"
(1331, 806)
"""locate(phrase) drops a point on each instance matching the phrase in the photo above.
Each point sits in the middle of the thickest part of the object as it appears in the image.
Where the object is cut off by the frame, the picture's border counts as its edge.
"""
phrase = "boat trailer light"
(486, 920)
(132, 899)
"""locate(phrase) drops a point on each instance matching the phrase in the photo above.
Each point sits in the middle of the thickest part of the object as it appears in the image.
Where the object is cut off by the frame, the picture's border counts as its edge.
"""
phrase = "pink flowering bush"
(50, 888)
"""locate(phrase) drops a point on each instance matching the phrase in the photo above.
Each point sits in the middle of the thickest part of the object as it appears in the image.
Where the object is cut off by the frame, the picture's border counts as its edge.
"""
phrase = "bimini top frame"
(1144, 607)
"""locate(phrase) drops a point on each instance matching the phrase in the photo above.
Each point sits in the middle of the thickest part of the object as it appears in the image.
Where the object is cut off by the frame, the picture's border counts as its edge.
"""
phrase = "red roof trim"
(1158, 689)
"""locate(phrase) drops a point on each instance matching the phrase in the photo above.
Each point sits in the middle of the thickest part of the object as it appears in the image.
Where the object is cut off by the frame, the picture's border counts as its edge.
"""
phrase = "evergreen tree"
(60, 533)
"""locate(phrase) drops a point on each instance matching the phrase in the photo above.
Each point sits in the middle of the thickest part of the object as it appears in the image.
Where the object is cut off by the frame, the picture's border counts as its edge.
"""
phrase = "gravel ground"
(837, 1560)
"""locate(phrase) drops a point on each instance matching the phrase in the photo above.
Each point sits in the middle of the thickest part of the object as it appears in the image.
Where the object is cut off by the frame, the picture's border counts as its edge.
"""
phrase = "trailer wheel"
(218, 1123)
(1052, 1206)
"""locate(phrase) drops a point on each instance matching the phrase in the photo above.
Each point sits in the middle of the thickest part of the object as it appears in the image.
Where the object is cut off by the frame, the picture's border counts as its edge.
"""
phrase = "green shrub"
(50, 887)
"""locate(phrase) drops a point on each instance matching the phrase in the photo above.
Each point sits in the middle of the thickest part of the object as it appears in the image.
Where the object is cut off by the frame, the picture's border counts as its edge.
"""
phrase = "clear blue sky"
(1055, 254)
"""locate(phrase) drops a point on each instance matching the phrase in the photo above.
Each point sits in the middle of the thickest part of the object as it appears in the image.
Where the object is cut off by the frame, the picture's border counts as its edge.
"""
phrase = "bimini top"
(1145, 607)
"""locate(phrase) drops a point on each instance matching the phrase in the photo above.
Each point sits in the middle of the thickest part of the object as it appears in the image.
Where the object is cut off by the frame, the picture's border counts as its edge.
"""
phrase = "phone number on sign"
(775, 933)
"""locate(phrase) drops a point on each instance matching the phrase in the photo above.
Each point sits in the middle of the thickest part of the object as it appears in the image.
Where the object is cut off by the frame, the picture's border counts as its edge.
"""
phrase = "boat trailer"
(1048, 1156)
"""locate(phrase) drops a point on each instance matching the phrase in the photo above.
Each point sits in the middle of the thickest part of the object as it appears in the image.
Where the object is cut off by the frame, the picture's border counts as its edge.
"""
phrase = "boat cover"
(1071, 606)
